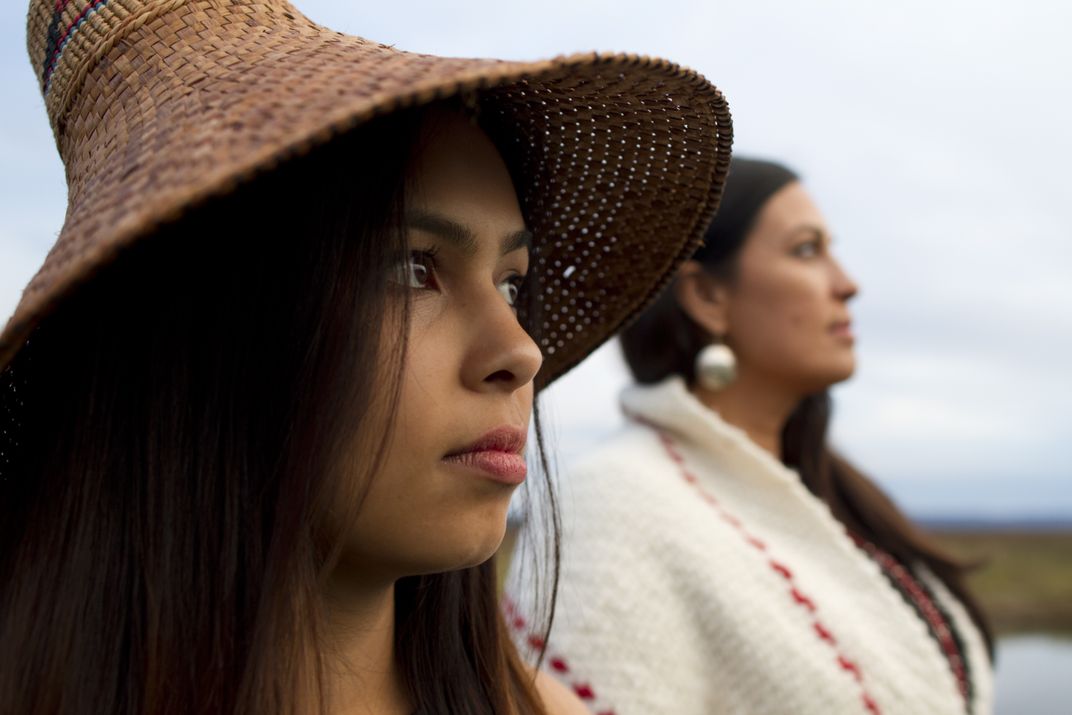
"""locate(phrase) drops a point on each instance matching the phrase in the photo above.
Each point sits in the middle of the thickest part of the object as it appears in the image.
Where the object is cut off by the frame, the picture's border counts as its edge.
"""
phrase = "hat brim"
(620, 159)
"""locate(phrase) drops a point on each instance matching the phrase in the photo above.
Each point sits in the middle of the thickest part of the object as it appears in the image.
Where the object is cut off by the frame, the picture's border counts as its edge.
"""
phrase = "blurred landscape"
(1024, 583)
(1024, 572)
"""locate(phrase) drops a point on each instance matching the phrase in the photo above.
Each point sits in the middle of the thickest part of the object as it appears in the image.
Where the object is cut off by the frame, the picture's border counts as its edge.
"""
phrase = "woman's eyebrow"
(810, 228)
(452, 231)
(518, 240)
(460, 236)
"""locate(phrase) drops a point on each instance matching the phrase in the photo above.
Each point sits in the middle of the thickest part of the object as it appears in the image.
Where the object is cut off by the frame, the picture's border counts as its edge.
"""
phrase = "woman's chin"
(846, 369)
(456, 551)
(838, 369)
(839, 376)
(825, 377)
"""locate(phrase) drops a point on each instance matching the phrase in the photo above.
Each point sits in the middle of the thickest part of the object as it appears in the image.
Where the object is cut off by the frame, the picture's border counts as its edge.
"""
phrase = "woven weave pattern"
(158, 106)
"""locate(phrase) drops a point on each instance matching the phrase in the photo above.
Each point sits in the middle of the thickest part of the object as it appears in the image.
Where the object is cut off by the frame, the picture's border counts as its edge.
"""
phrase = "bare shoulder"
(557, 698)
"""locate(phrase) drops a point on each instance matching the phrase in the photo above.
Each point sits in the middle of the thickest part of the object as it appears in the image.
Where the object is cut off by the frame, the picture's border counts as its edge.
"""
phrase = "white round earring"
(716, 366)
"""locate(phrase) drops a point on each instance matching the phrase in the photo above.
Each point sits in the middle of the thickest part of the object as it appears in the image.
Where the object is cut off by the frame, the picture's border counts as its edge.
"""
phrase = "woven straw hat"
(159, 105)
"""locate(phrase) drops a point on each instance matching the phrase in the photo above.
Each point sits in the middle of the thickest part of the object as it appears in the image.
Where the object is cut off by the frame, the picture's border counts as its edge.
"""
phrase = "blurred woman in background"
(719, 557)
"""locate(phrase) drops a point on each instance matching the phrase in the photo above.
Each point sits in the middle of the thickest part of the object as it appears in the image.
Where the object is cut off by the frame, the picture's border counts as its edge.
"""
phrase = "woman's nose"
(502, 355)
(845, 288)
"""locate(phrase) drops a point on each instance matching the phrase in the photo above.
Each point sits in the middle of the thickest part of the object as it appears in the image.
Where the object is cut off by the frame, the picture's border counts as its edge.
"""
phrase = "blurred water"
(1034, 676)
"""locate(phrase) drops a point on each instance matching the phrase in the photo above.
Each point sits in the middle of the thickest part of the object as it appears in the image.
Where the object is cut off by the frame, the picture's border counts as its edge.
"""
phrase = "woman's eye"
(809, 249)
(511, 289)
(418, 271)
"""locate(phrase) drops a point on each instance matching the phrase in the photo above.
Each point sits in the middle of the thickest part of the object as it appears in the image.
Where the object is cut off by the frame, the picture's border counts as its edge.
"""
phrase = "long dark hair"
(169, 455)
(665, 341)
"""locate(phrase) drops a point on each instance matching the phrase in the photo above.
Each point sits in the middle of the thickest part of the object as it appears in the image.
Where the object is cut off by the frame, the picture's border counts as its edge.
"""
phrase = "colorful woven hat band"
(65, 38)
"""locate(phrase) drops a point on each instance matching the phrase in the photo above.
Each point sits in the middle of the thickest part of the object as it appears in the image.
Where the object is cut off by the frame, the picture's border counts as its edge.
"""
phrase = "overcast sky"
(935, 137)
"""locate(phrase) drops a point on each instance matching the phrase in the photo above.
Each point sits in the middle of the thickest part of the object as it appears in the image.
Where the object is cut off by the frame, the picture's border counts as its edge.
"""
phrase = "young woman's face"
(787, 311)
(457, 454)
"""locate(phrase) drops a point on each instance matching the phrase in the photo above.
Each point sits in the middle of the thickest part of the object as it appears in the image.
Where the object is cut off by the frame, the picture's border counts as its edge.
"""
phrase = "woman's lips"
(842, 329)
(503, 467)
(499, 455)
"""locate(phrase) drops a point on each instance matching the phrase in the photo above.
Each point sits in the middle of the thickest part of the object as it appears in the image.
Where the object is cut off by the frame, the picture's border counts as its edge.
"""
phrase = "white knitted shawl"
(699, 576)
